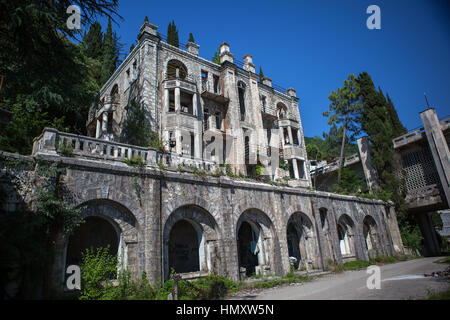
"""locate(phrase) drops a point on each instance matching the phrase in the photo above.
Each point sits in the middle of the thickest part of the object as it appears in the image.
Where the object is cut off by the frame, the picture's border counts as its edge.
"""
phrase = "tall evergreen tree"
(191, 37)
(172, 35)
(110, 57)
(345, 109)
(398, 128)
(261, 75)
(93, 41)
(376, 121)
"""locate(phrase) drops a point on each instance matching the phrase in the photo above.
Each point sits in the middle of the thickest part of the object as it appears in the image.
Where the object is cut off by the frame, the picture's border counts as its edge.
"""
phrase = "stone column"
(105, 122)
(439, 148)
(194, 105)
(177, 99)
(294, 164)
(166, 100)
(98, 130)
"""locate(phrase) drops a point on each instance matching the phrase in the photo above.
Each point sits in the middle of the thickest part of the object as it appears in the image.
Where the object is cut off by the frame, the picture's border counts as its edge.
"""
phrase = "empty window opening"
(241, 90)
(176, 70)
(218, 117)
(171, 100)
(186, 102)
(216, 84)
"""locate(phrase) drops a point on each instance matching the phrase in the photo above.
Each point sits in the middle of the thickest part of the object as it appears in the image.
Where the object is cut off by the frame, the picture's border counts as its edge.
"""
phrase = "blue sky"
(314, 45)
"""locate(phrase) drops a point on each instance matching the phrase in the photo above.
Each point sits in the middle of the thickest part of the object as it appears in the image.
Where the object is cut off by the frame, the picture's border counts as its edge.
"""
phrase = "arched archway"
(184, 246)
(96, 232)
(370, 236)
(255, 243)
(345, 230)
(301, 241)
(190, 241)
(176, 70)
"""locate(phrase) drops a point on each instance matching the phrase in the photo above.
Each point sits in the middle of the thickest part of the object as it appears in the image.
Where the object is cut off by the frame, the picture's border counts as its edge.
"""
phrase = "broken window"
(216, 84)
(171, 100)
(241, 90)
(263, 103)
(295, 136)
(218, 120)
(176, 70)
(186, 102)
(204, 80)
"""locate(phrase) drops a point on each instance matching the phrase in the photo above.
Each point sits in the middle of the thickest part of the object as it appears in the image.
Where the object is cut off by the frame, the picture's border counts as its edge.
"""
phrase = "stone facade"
(144, 205)
(199, 108)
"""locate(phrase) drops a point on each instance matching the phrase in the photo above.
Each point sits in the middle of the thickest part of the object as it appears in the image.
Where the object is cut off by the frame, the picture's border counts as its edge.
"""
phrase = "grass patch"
(444, 295)
(445, 260)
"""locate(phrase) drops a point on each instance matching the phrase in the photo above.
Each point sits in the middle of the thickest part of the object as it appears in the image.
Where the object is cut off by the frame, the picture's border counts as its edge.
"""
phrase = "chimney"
(267, 81)
(193, 48)
(248, 63)
(225, 54)
(147, 30)
(291, 92)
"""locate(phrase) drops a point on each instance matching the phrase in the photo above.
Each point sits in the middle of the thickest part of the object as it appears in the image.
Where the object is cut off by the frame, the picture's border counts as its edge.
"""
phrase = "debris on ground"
(445, 274)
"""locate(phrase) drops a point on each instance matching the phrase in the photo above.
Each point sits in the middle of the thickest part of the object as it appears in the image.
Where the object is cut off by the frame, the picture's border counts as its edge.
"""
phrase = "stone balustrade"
(54, 142)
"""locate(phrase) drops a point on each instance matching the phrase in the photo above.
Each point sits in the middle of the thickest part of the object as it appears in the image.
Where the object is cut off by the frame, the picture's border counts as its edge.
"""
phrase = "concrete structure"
(422, 158)
(197, 224)
(205, 111)
(158, 216)
(324, 175)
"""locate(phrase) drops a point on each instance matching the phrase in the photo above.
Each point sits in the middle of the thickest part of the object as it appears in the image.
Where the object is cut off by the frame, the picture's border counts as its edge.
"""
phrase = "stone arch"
(302, 241)
(200, 228)
(282, 110)
(255, 239)
(346, 237)
(98, 215)
(371, 237)
(176, 69)
(324, 217)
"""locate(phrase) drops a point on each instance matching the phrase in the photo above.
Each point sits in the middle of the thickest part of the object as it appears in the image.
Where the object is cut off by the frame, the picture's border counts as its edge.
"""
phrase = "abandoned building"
(421, 158)
(157, 217)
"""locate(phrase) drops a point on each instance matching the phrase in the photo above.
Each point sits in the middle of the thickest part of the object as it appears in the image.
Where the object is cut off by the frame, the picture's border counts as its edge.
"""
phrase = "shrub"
(137, 161)
(97, 265)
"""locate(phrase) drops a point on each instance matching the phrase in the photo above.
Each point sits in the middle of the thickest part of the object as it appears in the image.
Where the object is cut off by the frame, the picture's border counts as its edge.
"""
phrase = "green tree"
(172, 35)
(216, 57)
(191, 37)
(345, 109)
(92, 43)
(110, 56)
(261, 75)
(313, 152)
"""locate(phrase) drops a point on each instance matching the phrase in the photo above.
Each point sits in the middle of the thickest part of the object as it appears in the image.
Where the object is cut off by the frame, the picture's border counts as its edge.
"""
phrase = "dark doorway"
(184, 248)
(248, 248)
(293, 244)
(94, 233)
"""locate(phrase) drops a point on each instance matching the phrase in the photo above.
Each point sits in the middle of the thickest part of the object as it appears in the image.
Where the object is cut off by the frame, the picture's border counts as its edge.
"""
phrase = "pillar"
(105, 122)
(294, 164)
(98, 129)
(177, 99)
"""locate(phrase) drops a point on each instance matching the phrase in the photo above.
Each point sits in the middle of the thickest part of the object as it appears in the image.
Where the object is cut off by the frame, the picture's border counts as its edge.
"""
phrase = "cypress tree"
(191, 37)
(93, 42)
(398, 128)
(172, 34)
(109, 54)
(261, 75)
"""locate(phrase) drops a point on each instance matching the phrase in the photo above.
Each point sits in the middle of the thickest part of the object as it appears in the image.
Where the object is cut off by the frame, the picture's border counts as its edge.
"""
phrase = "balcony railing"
(51, 141)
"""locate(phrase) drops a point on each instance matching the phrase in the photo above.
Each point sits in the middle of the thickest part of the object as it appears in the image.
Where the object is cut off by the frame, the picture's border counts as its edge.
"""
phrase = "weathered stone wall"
(144, 204)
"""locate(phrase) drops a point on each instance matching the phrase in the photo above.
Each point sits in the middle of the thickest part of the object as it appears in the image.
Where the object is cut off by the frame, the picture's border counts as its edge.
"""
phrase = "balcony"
(214, 93)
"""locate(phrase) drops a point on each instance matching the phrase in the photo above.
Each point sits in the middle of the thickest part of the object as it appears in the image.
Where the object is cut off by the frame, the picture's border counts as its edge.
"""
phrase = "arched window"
(176, 70)
(241, 93)
(281, 111)
(115, 94)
